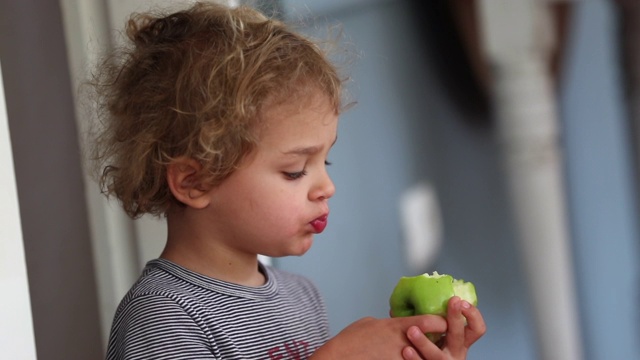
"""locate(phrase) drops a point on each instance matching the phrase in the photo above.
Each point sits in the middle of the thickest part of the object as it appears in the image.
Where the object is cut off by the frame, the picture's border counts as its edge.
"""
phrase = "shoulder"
(155, 282)
(158, 309)
(146, 323)
(158, 291)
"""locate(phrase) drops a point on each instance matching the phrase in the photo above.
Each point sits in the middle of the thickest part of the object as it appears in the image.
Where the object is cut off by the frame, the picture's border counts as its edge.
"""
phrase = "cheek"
(279, 206)
(282, 204)
(268, 200)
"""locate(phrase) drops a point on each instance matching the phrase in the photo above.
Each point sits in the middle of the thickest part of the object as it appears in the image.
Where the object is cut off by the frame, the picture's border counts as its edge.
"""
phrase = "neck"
(196, 249)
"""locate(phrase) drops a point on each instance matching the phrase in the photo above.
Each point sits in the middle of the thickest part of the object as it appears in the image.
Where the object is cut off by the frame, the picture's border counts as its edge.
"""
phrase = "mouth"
(319, 224)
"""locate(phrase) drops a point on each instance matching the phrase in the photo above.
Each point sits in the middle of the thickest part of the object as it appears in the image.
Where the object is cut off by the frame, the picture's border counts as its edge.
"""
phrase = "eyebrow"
(309, 150)
(303, 150)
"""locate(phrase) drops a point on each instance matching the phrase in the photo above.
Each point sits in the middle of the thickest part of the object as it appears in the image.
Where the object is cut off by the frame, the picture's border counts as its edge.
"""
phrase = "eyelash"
(298, 174)
(295, 175)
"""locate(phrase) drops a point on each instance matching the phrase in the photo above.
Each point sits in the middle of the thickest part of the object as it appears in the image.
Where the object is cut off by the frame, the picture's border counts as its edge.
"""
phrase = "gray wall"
(49, 180)
(602, 187)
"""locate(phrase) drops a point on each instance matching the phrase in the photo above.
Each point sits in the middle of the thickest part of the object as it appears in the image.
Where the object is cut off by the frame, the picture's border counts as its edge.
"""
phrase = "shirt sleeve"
(157, 327)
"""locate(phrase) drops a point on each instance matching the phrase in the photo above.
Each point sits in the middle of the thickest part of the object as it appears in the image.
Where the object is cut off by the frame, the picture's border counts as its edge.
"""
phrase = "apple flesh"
(429, 294)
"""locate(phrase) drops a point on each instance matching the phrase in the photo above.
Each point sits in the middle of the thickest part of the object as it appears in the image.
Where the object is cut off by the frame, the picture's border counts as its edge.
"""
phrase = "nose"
(323, 188)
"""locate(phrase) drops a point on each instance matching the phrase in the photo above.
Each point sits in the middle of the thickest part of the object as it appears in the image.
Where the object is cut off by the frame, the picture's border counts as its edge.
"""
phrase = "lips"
(319, 223)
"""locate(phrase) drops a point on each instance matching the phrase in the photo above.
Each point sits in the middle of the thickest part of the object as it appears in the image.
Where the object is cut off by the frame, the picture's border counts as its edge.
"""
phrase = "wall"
(49, 181)
(16, 328)
(602, 186)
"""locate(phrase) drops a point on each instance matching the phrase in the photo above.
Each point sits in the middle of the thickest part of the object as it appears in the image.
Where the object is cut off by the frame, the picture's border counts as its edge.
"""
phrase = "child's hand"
(459, 337)
(382, 339)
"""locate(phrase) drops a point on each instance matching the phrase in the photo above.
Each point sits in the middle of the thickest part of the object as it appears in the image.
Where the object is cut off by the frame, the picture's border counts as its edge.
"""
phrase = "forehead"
(307, 124)
(305, 108)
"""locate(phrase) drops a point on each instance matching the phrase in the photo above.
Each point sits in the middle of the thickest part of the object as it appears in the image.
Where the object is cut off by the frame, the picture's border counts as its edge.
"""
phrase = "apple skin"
(428, 294)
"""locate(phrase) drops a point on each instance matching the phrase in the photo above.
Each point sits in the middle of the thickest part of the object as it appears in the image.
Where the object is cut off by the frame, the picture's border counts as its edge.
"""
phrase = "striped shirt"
(174, 313)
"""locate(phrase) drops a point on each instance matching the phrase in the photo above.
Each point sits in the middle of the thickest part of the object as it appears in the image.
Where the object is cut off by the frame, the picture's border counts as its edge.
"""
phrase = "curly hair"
(193, 84)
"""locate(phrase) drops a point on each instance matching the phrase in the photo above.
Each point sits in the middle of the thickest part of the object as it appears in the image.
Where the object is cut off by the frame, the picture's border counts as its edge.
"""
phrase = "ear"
(183, 179)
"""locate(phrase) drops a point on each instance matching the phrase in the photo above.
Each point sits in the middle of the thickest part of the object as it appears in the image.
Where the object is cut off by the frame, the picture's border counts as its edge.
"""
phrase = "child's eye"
(298, 174)
(295, 175)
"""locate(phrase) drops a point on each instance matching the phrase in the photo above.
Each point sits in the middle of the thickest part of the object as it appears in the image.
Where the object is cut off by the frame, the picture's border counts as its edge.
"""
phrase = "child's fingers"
(410, 353)
(456, 326)
(429, 323)
(475, 323)
(423, 348)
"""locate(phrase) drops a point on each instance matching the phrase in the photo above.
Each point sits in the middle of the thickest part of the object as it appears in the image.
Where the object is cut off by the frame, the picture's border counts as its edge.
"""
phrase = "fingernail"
(408, 353)
(414, 332)
(466, 305)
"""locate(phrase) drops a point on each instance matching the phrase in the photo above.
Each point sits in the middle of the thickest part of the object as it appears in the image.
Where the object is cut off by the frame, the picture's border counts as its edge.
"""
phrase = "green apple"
(429, 294)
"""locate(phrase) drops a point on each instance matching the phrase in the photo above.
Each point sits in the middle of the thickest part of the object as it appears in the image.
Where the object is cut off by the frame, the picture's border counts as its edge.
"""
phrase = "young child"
(221, 120)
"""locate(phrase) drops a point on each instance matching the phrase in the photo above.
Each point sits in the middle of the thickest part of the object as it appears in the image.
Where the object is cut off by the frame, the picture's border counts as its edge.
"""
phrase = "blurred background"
(493, 140)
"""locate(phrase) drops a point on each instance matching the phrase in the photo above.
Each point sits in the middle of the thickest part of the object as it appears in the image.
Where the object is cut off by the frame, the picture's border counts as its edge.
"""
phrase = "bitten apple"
(429, 294)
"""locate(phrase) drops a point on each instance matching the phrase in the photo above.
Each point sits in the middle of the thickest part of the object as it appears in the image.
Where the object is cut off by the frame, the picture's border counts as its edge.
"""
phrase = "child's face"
(278, 199)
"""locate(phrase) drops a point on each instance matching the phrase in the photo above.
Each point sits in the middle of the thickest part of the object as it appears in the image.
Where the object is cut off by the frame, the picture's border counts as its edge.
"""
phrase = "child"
(221, 120)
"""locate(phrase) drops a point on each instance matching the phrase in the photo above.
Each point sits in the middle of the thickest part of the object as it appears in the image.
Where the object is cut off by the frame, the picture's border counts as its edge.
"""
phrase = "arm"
(383, 339)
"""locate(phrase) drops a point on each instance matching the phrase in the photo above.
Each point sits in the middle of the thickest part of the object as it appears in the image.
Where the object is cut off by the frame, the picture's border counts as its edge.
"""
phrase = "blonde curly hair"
(193, 84)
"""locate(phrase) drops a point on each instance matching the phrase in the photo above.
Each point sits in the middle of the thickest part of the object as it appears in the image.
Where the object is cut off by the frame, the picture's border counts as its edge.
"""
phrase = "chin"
(297, 248)
(303, 247)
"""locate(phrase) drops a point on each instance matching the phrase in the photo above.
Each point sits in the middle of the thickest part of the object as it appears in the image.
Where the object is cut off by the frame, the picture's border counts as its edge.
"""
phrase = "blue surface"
(602, 187)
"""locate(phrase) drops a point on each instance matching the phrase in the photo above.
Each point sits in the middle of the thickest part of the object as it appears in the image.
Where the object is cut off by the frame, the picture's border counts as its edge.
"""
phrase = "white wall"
(16, 328)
